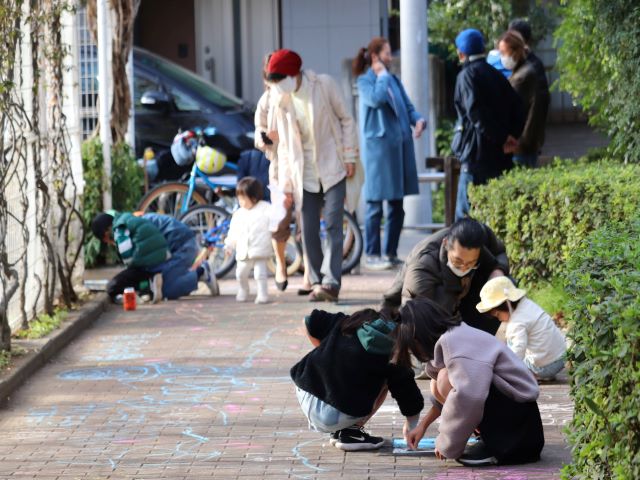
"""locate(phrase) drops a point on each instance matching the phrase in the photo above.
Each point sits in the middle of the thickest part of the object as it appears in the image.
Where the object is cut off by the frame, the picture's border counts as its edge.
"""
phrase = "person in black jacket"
(490, 118)
(342, 382)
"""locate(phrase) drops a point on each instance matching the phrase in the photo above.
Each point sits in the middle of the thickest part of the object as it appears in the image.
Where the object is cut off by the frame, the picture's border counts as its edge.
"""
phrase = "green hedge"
(603, 281)
(126, 189)
(543, 215)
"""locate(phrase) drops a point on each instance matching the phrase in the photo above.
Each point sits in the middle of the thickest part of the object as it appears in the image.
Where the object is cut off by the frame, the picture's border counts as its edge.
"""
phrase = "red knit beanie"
(284, 62)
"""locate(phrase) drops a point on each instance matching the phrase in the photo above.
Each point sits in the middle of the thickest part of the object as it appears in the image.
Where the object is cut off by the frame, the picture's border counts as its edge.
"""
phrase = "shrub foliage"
(603, 281)
(543, 215)
(126, 187)
(598, 60)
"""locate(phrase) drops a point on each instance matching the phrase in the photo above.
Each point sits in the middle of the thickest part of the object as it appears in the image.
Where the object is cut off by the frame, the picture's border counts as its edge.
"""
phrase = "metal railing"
(447, 172)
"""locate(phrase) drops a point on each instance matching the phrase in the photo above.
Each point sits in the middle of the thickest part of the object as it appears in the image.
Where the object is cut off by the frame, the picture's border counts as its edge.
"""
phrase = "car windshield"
(184, 77)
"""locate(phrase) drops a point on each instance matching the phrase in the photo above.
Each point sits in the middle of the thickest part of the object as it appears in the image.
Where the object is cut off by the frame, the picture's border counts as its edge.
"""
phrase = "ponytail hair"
(362, 60)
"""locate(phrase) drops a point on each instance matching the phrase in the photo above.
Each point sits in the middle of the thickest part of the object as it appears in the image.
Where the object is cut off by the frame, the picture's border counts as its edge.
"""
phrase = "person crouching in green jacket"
(158, 252)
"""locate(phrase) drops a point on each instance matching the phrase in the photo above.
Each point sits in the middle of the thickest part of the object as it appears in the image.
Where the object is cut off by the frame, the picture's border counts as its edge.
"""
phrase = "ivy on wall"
(35, 160)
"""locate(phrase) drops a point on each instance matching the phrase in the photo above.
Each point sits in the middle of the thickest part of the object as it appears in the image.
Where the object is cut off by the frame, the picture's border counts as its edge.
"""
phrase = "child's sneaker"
(260, 300)
(355, 438)
(155, 285)
(210, 279)
(242, 295)
(333, 438)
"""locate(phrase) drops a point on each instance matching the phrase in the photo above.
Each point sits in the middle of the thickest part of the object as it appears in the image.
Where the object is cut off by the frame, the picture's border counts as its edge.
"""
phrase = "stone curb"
(45, 348)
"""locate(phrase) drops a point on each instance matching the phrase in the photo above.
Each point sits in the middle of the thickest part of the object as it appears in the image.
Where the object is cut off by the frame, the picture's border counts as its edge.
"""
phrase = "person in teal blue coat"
(386, 116)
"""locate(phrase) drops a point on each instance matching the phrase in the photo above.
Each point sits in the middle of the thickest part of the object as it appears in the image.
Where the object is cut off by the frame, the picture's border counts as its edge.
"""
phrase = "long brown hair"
(363, 59)
(513, 39)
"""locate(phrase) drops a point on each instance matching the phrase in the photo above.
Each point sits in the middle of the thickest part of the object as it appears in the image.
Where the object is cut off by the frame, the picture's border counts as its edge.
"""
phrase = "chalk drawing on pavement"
(114, 348)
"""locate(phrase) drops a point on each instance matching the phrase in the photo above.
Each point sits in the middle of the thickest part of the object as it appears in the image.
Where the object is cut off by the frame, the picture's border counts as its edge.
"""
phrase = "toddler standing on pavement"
(250, 236)
(531, 333)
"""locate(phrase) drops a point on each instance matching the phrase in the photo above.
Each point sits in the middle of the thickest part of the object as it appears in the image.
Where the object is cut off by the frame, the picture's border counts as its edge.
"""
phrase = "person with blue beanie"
(490, 118)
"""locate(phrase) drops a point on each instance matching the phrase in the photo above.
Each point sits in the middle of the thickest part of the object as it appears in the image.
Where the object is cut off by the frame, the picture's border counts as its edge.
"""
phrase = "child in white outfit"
(531, 333)
(250, 236)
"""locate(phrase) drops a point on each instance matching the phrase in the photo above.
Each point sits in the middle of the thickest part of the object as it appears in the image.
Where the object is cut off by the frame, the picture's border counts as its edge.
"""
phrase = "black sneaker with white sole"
(477, 455)
(333, 438)
(355, 438)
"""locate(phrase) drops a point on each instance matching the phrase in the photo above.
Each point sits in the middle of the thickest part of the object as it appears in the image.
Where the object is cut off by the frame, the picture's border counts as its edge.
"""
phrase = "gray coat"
(425, 275)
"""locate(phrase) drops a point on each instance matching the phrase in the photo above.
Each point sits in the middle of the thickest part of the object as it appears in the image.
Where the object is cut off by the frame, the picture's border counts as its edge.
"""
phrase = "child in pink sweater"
(479, 385)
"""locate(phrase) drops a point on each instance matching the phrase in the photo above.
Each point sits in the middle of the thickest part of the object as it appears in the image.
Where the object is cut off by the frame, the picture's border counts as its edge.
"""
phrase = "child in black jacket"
(342, 382)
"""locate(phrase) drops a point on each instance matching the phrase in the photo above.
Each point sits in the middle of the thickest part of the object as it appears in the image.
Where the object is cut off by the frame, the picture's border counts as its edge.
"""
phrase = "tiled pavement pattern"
(199, 388)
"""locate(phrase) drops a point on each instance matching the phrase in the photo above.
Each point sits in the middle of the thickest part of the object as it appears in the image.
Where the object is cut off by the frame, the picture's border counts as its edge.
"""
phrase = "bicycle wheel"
(167, 199)
(352, 242)
(292, 256)
(211, 225)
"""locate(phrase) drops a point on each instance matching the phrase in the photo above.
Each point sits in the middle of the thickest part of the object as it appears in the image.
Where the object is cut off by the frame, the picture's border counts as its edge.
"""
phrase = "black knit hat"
(100, 224)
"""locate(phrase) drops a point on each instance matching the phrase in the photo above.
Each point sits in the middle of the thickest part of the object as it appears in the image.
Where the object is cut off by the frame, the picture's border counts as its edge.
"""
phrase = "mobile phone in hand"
(266, 139)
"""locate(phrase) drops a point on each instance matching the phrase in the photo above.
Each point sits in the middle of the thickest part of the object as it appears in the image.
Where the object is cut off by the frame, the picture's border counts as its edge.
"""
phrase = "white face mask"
(457, 272)
(286, 85)
(508, 62)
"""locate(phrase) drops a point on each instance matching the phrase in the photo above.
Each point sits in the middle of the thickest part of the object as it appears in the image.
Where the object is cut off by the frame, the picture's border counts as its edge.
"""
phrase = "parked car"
(168, 97)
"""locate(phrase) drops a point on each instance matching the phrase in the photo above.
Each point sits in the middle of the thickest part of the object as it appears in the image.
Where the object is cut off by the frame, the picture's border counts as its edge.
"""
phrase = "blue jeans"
(526, 159)
(177, 280)
(547, 372)
(462, 200)
(322, 416)
(392, 227)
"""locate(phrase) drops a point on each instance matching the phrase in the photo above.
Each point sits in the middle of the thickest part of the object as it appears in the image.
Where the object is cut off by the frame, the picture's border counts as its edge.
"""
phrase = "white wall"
(260, 36)
(214, 40)
(325, 33)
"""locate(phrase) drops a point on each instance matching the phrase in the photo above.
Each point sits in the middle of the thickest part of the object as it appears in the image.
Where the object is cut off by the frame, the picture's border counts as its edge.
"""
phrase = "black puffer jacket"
(488, 111)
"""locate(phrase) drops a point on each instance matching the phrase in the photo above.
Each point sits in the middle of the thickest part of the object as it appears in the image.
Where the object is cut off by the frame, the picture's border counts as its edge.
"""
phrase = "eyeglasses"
(462, 265)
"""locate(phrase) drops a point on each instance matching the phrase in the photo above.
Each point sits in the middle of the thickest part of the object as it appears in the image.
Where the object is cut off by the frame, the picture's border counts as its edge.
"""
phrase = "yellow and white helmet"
(210, 160)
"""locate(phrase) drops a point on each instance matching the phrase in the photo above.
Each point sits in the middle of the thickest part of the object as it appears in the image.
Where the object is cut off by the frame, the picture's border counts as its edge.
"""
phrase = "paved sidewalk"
(199, 388)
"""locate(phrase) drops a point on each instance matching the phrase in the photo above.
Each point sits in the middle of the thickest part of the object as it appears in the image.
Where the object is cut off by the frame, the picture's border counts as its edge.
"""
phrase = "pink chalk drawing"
(196, 329)
(233, 408)
(255, 399)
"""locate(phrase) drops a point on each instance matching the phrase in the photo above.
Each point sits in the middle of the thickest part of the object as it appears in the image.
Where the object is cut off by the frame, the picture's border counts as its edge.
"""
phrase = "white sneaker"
(209, 278)
(156, 288)
(377, 263)
(242, 295)
(261, 300)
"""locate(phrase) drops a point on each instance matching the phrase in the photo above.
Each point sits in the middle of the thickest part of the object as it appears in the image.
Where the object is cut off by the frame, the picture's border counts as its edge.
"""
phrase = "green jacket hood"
(374, 336)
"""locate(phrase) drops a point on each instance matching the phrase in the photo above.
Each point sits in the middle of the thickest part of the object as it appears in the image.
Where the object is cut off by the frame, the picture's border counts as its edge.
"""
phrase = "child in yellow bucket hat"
(531, 333)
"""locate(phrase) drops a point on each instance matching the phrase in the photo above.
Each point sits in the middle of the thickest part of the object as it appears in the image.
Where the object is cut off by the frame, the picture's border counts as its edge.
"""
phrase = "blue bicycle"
(205, 203)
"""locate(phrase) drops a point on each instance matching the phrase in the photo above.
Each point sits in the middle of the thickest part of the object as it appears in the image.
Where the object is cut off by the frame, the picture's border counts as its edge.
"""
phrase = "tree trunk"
(123, 15)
